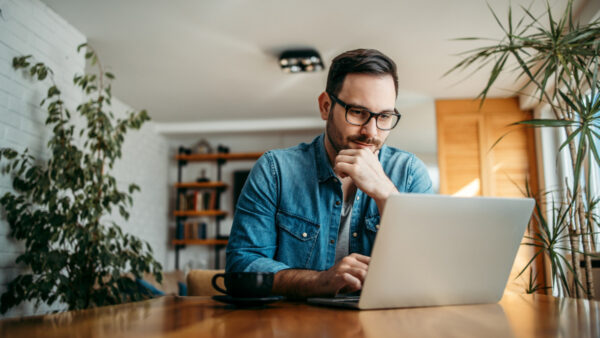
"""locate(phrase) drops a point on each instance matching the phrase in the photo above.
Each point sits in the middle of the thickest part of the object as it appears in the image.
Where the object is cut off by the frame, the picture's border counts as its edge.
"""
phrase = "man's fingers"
(348, 151)
(352, 282)
(343, 169)
(353, 156)
(356, 265)
(361, 258)
(353, 152)
(345, 158)
(353, 263)
(357, 273)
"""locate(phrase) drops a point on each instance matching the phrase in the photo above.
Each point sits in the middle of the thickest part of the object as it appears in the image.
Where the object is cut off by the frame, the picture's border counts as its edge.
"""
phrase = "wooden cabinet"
(183, 214)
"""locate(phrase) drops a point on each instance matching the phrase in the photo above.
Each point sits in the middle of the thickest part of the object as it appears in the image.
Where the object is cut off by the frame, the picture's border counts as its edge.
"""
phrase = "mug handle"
(214, 282)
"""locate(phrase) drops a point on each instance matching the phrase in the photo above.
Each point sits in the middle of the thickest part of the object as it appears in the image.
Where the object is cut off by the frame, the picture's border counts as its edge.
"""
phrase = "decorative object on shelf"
(560, 59)
(202, 177)
(58, 208)
(301, 60)
(221, 149)
(184, 151)
(203, 147)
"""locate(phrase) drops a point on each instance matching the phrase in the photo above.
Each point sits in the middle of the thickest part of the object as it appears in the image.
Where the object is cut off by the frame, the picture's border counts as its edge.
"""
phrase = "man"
(310, 213)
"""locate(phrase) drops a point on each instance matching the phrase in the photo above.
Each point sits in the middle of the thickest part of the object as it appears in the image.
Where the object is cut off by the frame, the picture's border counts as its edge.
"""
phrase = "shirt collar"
(324, 170)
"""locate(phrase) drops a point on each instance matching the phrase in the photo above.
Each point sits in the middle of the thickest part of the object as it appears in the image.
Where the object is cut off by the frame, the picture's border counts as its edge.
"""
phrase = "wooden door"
(468, 152)
(472, 162)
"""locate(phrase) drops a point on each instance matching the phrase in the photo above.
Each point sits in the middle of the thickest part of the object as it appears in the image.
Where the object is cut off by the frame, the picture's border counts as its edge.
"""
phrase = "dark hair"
(361, 61)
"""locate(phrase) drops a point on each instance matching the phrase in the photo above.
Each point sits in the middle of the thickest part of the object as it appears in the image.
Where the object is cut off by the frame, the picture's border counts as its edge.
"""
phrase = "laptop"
(434, 250)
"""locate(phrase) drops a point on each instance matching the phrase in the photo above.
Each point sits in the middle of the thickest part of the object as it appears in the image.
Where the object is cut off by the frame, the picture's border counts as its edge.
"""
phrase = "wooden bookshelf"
(218, 156)
(200, 241)
(190, 205)
(201, 185)
(192, 213)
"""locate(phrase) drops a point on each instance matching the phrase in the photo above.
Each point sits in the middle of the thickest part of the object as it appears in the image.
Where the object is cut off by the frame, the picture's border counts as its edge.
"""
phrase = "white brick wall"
(145, 162)
(30, 27)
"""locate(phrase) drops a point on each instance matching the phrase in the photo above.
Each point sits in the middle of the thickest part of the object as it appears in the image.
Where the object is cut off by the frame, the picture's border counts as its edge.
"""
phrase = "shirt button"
(357, 198)
(354, 235)
(377, 226)
(304, 234)
(332, 241)
(337, 203)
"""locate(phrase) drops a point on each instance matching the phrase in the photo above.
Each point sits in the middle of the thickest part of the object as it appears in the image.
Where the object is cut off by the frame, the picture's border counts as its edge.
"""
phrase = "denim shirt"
(288, 213)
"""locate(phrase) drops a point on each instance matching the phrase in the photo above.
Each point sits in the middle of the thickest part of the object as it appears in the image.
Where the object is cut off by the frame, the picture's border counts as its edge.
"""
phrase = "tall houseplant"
(559, 58)
(59, 206)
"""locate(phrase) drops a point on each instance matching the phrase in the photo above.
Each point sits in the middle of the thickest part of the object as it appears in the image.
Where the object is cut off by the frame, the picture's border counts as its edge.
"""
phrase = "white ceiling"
(214, 60)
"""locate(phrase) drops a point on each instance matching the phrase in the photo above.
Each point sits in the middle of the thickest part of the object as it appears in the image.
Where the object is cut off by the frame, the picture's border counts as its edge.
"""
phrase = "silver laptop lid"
(443, 250)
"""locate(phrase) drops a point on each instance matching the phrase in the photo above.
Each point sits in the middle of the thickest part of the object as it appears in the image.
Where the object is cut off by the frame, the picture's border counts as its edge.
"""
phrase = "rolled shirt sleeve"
(419, 180)
(253, 241)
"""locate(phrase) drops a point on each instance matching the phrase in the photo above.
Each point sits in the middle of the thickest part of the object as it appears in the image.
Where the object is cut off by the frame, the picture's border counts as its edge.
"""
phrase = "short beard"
(330, 131)
(332, 135)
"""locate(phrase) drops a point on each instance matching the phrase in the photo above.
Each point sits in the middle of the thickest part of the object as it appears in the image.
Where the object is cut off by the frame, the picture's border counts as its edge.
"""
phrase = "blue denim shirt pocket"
(297, 239)
(371, 224)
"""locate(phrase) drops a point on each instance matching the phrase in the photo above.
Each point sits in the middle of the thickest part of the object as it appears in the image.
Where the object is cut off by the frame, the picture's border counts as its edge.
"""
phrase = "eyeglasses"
(359, 116)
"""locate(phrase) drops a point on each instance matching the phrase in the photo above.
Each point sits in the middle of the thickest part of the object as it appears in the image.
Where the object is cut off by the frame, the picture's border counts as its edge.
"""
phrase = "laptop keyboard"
(346, 299)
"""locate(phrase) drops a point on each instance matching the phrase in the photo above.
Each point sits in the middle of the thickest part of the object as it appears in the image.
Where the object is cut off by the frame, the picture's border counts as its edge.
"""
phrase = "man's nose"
(370, 129)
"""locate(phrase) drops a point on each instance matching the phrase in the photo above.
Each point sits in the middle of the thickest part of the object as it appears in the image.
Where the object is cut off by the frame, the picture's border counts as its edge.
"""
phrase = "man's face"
(375, 93)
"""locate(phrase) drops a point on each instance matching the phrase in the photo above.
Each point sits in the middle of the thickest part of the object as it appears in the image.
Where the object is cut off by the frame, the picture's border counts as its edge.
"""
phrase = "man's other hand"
(347, 275)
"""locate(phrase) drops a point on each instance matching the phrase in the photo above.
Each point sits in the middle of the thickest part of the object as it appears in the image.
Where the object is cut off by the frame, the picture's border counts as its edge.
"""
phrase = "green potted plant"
(559, 58)
(59, 206)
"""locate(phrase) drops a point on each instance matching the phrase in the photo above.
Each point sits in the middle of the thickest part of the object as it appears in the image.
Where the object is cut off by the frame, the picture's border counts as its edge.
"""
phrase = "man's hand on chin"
(363, 166)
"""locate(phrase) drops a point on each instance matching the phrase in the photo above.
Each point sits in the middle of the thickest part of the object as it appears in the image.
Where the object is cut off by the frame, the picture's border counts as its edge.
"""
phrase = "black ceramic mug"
(245, 284)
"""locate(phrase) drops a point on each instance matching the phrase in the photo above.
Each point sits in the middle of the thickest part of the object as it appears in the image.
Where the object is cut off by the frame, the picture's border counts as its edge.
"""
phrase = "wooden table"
(515, 315)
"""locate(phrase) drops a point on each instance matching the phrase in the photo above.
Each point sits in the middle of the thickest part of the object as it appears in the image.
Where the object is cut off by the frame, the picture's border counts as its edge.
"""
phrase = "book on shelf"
(187, 230)
(186, 201)
(191, 230)
(194, 231)
(213, 201)
(201, 230)
(198, 201)
(179, 231)
(182, 202)
(206, 204)
(191, 202)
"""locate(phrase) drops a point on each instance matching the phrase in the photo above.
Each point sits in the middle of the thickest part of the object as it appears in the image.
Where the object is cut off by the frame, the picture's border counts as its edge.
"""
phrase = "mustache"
(364, 139)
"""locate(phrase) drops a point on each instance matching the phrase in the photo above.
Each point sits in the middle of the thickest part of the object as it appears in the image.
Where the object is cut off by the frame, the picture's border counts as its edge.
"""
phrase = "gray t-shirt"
(342, 248)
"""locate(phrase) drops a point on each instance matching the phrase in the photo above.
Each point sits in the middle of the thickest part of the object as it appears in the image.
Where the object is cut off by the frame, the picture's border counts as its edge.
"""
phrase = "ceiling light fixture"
(301, 60)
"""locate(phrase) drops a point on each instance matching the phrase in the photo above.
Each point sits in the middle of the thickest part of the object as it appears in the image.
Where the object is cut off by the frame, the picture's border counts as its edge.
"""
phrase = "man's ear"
(324, 105)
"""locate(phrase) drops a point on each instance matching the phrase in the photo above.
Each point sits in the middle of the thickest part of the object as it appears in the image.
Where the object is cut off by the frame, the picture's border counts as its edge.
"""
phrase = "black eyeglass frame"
(371, 114)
